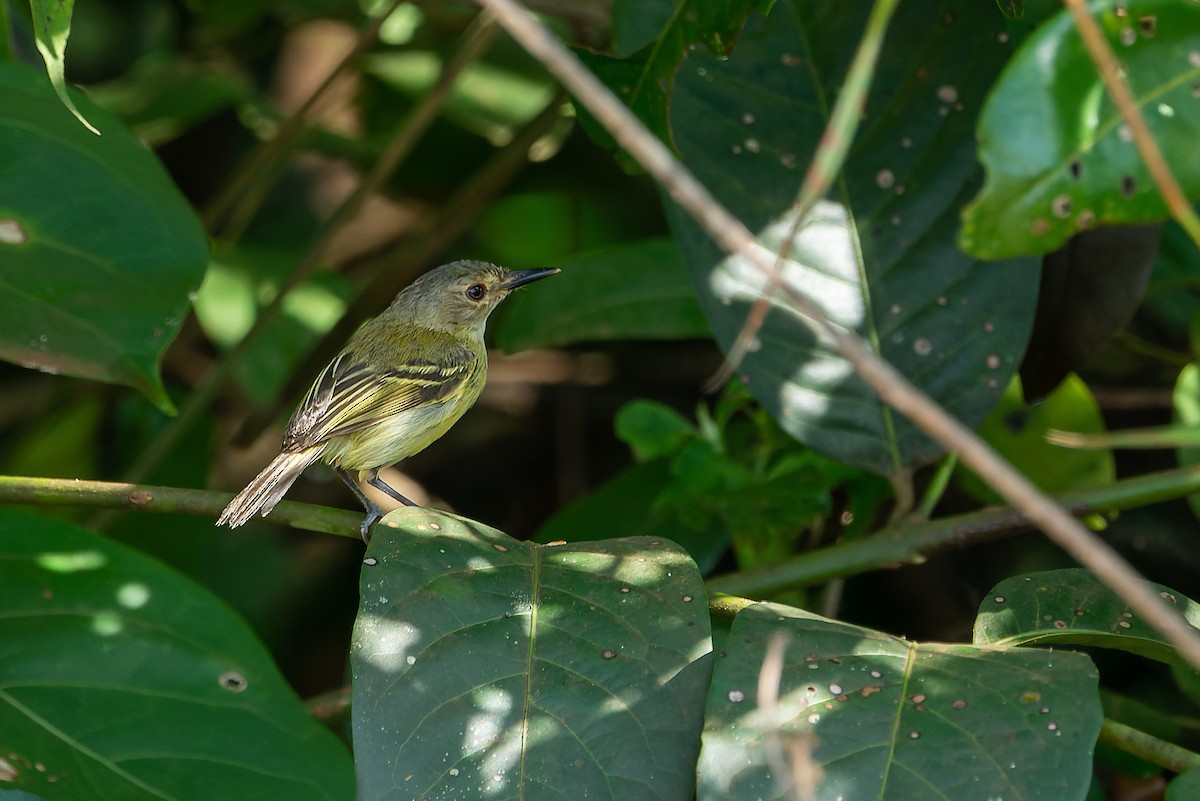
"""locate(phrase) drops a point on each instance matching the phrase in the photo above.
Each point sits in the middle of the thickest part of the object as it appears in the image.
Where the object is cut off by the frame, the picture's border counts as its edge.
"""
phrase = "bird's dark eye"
(476, 292)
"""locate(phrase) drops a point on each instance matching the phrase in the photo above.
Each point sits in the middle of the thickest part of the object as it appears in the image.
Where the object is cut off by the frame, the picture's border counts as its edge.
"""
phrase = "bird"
(404, 378)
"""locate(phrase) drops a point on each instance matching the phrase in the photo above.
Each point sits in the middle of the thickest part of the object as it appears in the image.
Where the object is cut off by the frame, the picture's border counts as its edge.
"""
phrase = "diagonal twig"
(895, 390)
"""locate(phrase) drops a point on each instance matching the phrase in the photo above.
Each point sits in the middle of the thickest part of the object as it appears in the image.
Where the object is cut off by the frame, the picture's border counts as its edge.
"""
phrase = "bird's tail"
(268, 487)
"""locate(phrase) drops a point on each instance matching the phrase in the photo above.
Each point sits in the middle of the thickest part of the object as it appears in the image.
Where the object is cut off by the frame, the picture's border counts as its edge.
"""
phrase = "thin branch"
(269, 152)
(1148, 747)
(331, 708)
(912, 542)
(167, 500)
(826, 163)
(1110, 72)
(733, 237)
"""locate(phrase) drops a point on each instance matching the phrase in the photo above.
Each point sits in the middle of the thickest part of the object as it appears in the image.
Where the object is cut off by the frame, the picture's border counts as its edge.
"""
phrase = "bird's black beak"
(516, 278)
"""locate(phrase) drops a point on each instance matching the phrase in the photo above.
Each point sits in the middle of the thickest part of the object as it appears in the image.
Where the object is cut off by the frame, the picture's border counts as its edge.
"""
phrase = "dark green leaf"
(100, 251)
(634, 291)
(1072, 607)
(663, 32)
(1172, 299)
(1013, 9)
(651, 429)
(1058, 156)
(886, 265)
(487, 667)
(1017, 431)
(671, 23)
(894, 720)
(1184, 787)
(1090, 289)
(625, 505)
(122, 679)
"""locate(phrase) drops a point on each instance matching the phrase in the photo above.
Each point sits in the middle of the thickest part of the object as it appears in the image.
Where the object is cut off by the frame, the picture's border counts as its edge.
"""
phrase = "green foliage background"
(184, 242)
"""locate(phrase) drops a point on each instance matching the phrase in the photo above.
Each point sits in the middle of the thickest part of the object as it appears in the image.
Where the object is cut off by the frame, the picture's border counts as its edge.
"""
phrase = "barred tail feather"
(268, 487)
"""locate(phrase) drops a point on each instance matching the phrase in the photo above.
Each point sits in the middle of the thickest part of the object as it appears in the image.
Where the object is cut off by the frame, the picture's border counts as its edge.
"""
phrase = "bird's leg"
(374, 513)
(379, 484)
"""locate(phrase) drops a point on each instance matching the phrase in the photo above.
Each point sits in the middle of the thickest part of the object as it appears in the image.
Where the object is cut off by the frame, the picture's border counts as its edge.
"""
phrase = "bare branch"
(893, 388)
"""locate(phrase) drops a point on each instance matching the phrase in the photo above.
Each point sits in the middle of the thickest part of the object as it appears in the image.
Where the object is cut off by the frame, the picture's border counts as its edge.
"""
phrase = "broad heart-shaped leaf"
(120, 678)
(1059, 158)
(881, 260)
(1072, 607)
(489, 668)
(638, 290)
(895, 720)
(98, 250)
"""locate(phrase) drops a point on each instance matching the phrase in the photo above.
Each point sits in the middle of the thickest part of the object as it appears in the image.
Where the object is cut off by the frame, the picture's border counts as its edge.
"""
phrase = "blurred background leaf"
(101, 252)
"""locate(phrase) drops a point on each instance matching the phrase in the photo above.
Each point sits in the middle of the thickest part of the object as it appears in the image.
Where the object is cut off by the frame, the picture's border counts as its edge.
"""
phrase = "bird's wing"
(350, 395)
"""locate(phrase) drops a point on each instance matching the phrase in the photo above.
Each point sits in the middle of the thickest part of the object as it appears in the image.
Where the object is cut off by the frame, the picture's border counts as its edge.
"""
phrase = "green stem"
(258, 167)
(910, 542)
(937, 487)
(166, 500)
(1148, 747)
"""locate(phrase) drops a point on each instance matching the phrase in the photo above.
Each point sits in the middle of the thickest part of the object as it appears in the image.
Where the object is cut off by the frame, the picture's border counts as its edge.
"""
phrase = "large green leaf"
(1071, 606)
(121, 679)
(1059, 158)
(486, 667)
(638, 290)
(98, 250)
(893, 720)
(662, 32)
(880, 258)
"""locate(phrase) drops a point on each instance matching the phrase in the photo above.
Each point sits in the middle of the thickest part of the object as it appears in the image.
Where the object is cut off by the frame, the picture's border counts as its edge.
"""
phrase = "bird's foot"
(381, 485)
(374, 514)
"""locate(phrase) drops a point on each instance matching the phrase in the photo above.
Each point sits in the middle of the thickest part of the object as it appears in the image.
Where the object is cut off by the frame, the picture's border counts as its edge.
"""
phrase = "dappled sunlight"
(822, 264)
(493, 706)
(133, 595)
(392, 643)
(107, 624)
(481, 661)
(71, 561)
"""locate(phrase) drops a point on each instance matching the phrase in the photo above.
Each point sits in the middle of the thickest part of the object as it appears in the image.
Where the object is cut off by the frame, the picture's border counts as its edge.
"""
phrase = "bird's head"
(460, 295)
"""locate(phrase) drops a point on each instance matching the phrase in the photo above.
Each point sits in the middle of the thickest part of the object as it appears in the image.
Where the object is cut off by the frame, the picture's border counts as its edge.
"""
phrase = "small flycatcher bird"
(404, 378)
